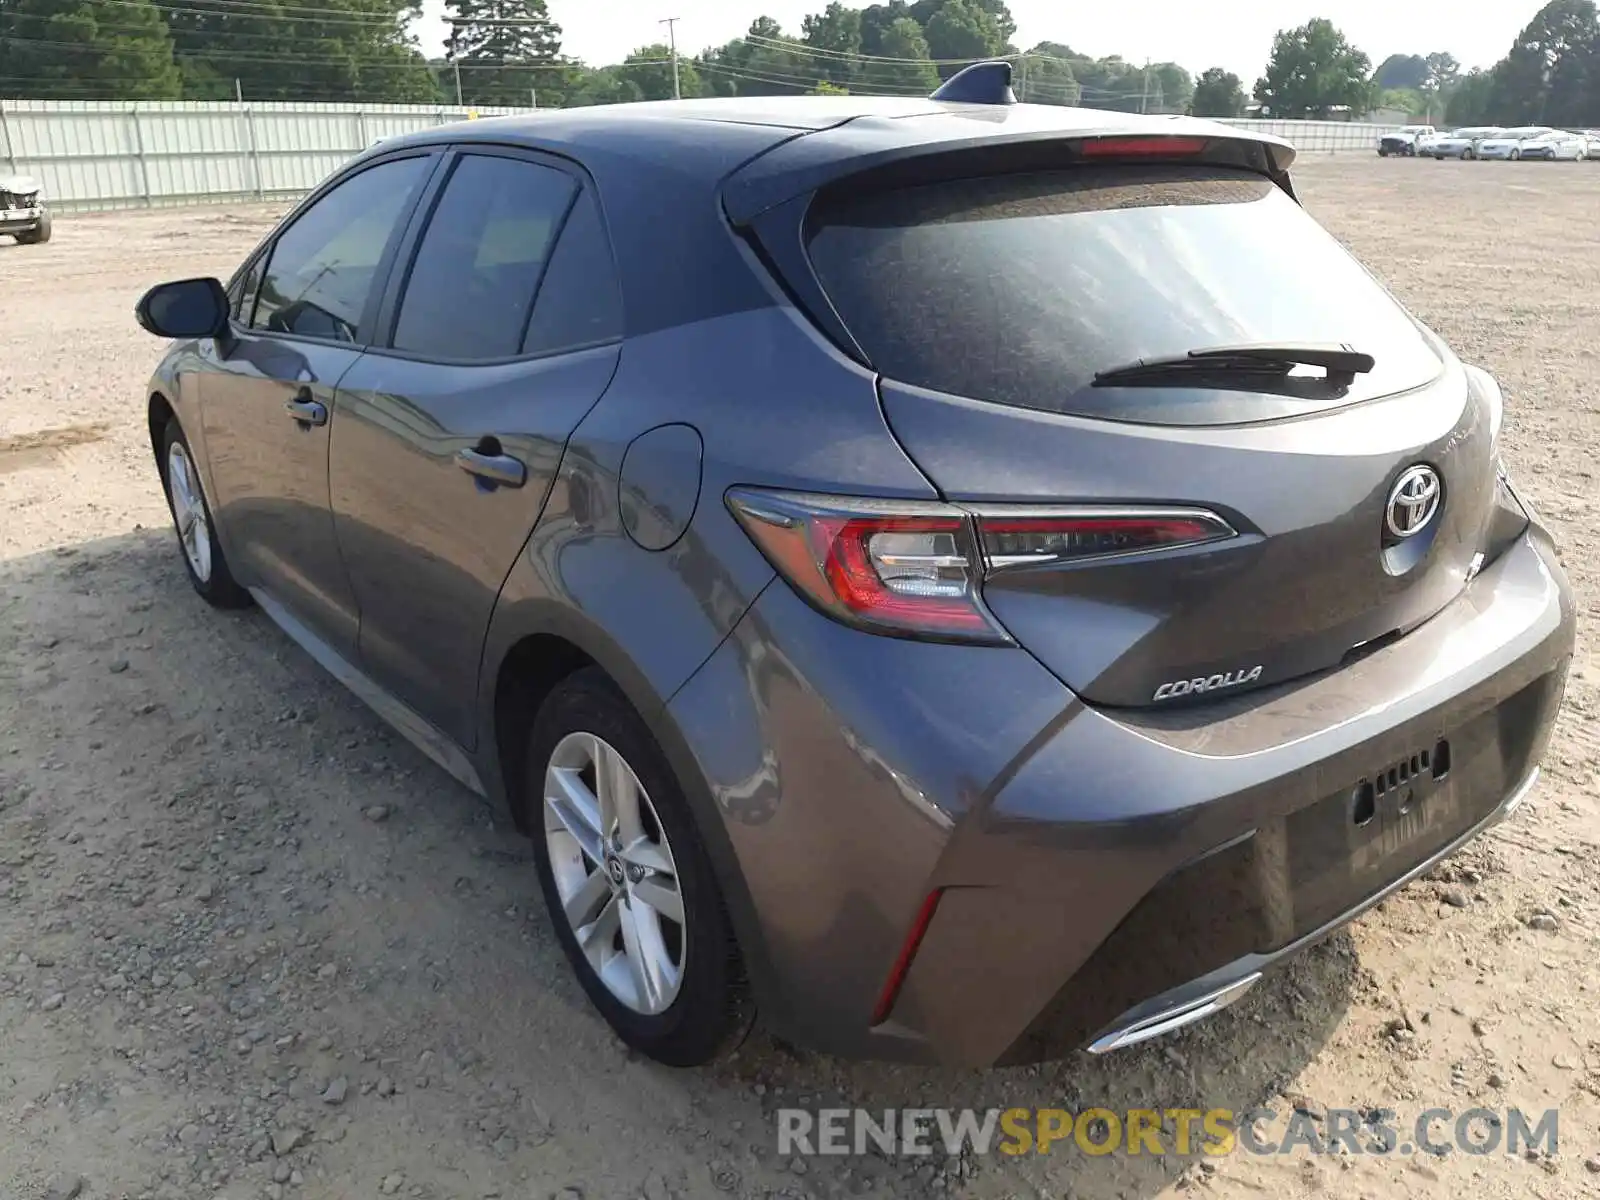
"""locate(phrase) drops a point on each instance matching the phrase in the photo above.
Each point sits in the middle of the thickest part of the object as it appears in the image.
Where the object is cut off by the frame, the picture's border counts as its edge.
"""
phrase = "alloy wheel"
(615, 873)
(189, 511)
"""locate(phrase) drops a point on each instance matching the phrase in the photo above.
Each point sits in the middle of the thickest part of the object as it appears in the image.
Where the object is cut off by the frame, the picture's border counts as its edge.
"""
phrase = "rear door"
(268, 401)
(990, 305)
(499, 332)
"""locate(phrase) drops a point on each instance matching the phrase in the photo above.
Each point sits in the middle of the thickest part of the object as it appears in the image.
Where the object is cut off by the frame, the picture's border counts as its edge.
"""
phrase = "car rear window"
(1017, 289)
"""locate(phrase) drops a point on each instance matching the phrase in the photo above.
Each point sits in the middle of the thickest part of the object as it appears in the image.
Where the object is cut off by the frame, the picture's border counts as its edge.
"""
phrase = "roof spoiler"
(981, 83)
(884, 154)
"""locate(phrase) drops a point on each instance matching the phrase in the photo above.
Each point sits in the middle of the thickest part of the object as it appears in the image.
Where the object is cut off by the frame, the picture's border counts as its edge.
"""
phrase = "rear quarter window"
(1017, 289)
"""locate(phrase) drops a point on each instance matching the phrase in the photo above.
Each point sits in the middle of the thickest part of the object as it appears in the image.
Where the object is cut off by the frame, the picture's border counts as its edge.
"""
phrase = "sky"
(1233, 34)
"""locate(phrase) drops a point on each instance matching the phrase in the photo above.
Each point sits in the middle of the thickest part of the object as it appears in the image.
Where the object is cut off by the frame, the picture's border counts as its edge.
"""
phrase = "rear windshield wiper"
(1269, 359)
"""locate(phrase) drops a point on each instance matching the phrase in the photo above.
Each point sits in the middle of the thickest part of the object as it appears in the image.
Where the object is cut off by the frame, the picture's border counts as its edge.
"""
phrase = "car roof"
(697, 164)
(822, 136)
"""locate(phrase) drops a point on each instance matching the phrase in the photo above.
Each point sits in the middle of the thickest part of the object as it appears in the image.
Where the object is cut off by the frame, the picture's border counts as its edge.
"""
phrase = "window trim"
(388, 315)
(263, 253)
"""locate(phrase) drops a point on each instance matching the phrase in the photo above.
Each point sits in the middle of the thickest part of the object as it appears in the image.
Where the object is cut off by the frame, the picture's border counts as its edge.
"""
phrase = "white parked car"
(1591, 138)
(1460, 143)
(1404, 141)
(23, 212)
(1560, 146)
(1509, 144)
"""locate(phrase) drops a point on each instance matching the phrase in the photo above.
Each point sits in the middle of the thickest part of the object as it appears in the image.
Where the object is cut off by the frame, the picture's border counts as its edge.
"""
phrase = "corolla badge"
(1206, 683)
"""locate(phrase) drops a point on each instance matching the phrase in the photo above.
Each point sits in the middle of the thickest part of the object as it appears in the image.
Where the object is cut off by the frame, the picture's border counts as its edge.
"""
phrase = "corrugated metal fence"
(97, 154)
(105, 154)
(1322, 136)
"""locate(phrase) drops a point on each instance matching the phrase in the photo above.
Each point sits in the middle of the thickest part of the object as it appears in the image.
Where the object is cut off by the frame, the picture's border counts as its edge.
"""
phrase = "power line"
(326, 60)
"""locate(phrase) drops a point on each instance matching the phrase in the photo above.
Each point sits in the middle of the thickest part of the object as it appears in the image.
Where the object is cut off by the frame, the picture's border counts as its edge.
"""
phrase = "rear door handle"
(490, 465)
(306, 411)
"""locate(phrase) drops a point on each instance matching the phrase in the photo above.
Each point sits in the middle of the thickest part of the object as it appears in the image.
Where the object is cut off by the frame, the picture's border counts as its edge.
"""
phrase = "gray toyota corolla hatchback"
(965, 579)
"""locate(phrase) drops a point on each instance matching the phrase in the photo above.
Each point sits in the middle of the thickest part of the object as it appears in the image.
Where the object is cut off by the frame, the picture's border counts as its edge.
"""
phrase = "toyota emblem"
(1413, 501)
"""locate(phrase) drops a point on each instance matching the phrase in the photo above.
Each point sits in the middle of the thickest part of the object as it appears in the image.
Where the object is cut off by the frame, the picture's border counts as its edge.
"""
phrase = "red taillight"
(902, 962)
(905, 567)
(1088, 533)
(1142, 147)
(916, 568)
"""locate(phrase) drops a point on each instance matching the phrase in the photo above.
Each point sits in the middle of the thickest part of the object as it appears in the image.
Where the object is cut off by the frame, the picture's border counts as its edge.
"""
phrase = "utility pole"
(533, 97)
(672, 37)
(238, 91)
(1144, 96)
(1022, 78)
(457, 67)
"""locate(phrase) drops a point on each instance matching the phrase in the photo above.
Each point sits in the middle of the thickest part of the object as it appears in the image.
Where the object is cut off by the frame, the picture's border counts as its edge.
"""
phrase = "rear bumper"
(19, 220)
(1200, 998)
(1102, 877)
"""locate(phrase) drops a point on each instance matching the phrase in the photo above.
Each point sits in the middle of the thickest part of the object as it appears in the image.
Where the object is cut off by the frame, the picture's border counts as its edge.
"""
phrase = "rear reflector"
(1143, 147)
(915, 568)
(902, 962)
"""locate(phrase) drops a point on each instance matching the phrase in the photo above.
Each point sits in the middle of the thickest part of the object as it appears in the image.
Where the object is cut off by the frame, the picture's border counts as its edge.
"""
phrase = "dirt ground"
(202, 927)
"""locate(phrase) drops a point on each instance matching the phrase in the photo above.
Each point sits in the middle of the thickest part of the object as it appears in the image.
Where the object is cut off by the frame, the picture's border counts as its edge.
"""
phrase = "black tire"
(219, 589)
(713, 1011)
(39, 233)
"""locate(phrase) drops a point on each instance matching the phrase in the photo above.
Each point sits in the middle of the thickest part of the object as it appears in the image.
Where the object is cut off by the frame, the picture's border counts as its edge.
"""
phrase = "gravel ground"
(252, 945)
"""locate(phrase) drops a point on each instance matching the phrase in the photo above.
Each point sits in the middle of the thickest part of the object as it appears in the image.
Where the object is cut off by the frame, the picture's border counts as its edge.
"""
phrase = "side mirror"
(188, 308)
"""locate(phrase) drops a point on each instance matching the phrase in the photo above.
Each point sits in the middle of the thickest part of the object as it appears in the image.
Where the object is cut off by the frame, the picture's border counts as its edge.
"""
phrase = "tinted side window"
(323, 267)
(478, 265)
(580, 302)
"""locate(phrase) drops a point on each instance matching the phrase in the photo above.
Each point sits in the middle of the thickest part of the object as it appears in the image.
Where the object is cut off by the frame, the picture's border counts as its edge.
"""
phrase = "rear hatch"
(990, 303)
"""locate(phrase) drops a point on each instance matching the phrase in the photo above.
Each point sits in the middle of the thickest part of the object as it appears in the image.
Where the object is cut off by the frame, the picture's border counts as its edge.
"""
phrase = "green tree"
(1468, 103)
(505, 49)
(779, 70)
(649, 71)
(1314, 69)
(77, 49)
(1218, 93)
(762, 63)
(1546, 76)
(1176, 86)
(923, 12)
(901, 40)
(1407, 100)
(1443, 71)
(1045, 75)
(299, 49)
(605, 85)
(1401, 71)
(878, 19)
(835, 33)
(1112, 83)
(962, 30)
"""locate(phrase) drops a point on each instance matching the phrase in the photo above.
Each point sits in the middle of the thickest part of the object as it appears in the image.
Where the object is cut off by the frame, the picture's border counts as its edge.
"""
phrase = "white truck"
(1404, 141)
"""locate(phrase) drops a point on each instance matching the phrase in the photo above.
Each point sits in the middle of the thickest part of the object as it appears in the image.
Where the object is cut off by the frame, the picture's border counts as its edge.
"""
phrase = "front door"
(270, 402)
(502, 338)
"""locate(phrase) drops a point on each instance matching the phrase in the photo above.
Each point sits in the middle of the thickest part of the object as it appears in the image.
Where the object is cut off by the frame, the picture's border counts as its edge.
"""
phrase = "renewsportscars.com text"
(1181, 1131)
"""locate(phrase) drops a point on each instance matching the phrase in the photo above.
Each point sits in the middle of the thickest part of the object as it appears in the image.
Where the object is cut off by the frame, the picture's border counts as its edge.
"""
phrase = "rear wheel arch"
(549, 647)
(531, 669)
(159, 413)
